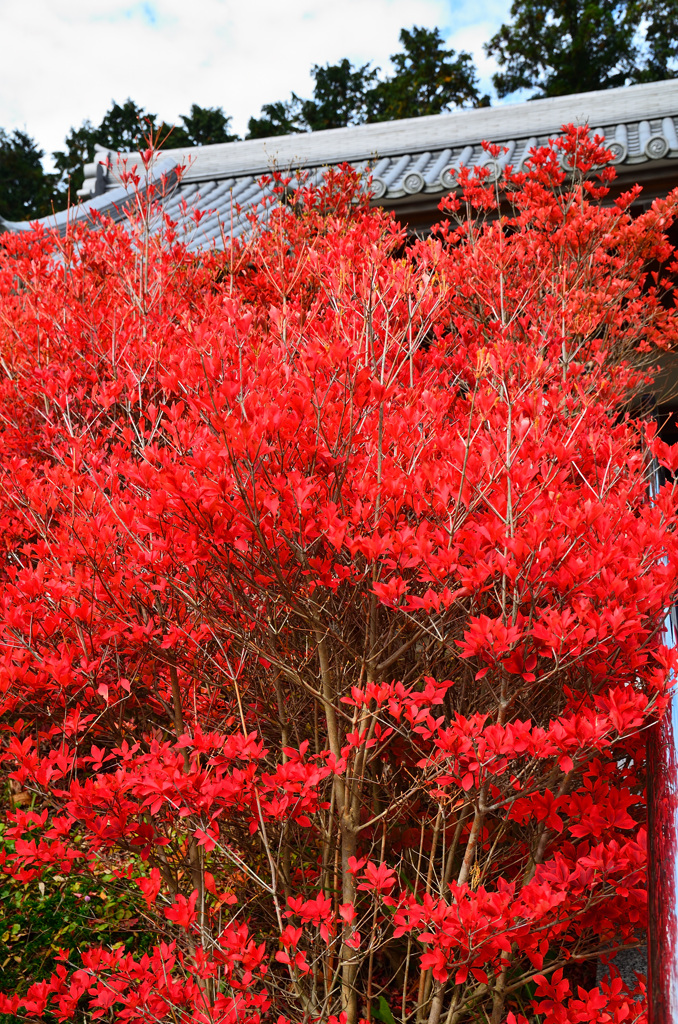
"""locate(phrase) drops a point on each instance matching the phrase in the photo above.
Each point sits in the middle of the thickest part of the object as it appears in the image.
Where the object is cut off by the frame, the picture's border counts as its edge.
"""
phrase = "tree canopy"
(25, 190)
(428, 78)
(204, 126)
(341, 96)
(557, 47)
(127, 126)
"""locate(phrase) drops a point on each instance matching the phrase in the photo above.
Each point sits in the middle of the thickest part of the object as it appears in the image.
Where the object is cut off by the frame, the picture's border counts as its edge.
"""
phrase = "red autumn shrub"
(332, 602)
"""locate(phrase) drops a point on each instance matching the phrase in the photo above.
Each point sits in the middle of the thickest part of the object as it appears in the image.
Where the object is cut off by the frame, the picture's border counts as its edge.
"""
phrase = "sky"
(62, 61)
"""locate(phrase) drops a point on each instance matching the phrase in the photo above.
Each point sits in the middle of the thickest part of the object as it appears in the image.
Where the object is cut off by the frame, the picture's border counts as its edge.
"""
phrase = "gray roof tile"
(405, 158)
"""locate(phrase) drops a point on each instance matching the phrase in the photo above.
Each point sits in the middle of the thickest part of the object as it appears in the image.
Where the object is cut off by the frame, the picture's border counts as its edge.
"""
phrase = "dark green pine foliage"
(127, 126)
(78, 150)
(428, 79)
(659, 47)
(204, 126)
(281, 118)
(341, 96)
(558, 47)
(25, 190)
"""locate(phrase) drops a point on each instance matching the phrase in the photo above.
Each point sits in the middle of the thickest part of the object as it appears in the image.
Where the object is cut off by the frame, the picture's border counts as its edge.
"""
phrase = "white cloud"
(65, 60)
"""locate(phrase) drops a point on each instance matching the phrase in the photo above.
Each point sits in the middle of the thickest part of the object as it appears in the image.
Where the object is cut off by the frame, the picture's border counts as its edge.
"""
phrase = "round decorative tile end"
(413, 182)
(656, 148)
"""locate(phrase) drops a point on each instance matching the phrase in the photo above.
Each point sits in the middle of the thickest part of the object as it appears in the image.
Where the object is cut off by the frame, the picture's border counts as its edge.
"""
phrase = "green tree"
(428, 79)
(127, 126)
(659, 48)
(557, 47)
(341, 95)
(124, 127)
(281, 118)
(26, 192)
(204, 126)
(78, 150)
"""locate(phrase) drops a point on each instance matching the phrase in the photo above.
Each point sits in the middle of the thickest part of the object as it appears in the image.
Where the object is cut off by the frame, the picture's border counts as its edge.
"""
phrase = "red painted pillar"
(662, 814)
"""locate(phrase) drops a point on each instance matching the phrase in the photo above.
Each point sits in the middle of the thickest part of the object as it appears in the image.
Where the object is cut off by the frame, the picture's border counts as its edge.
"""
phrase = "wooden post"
(662, 819)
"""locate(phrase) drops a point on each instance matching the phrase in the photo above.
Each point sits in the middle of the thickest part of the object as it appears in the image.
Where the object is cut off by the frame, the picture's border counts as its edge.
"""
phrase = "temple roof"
(411, 161)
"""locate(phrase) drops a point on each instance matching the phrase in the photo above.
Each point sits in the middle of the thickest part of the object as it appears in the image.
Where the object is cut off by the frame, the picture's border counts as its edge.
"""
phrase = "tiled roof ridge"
(639, 124)
(465, 126)
(112, 203)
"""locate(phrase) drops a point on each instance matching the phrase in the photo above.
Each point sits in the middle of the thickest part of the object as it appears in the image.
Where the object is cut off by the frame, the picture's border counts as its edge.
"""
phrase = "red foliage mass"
(332, 600)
